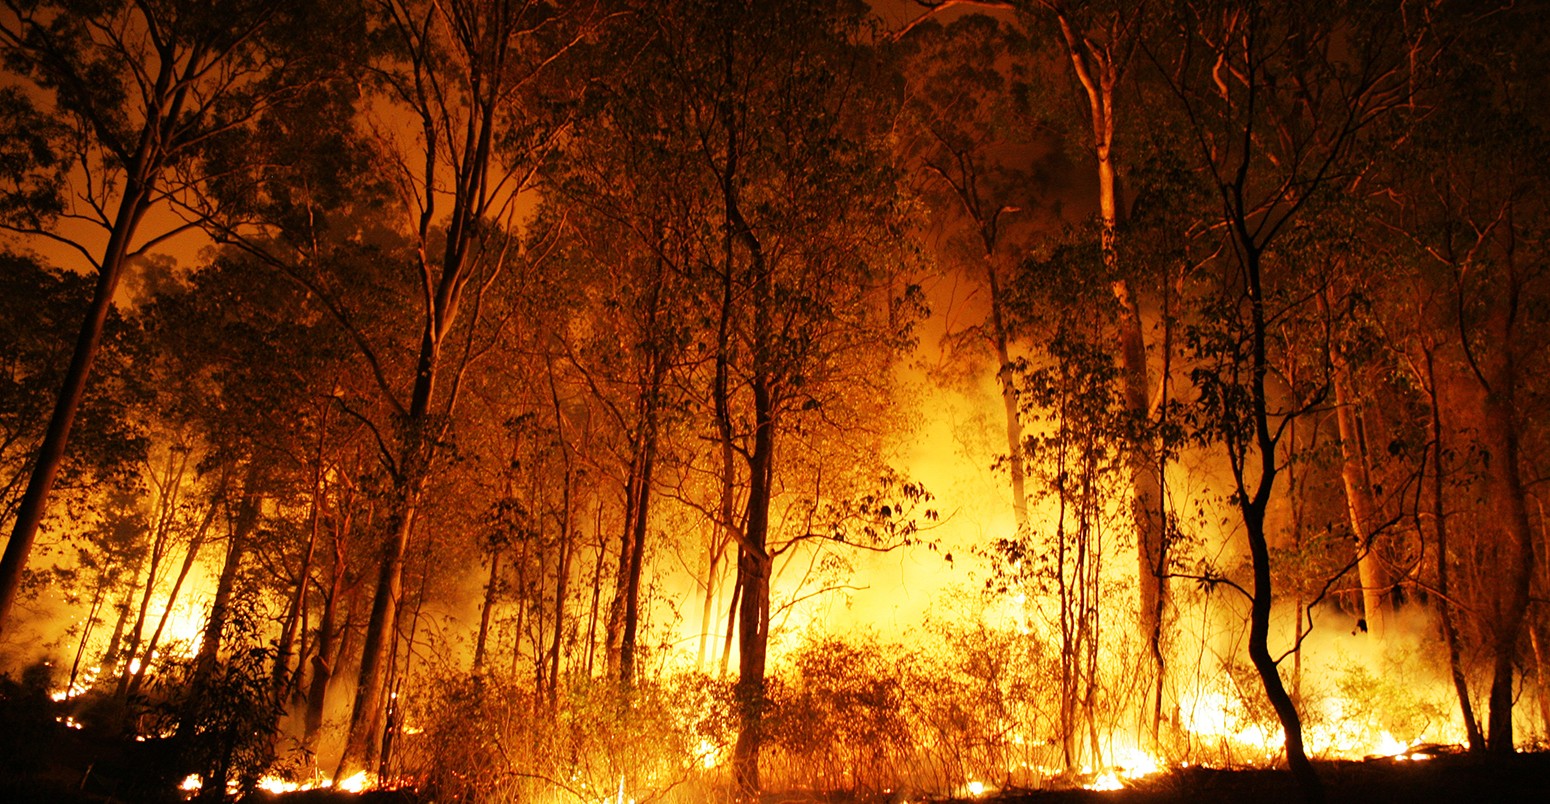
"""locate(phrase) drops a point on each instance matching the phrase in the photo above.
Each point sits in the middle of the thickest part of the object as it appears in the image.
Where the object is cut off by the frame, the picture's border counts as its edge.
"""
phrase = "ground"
(1523, 777)
(45, 759)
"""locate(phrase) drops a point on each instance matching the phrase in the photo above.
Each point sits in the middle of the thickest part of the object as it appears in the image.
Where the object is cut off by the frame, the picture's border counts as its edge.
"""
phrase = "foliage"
(487, 739)
(220, 720)
(526, 330)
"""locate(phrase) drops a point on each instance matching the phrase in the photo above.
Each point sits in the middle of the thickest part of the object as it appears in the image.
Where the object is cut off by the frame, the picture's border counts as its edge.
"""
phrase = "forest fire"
(697, 401)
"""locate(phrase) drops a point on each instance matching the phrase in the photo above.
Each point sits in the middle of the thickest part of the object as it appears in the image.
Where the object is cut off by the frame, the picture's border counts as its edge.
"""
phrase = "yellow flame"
(1133, 763)
(1108, 780)
(356, 782)
(707, 754)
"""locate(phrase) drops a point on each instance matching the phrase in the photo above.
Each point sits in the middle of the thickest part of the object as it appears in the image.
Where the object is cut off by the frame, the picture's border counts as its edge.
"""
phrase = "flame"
(1106, 781)
(621, 799)
(83, 682)
(708, 754)
(1133, 763)
(276, 785)
(357, 782)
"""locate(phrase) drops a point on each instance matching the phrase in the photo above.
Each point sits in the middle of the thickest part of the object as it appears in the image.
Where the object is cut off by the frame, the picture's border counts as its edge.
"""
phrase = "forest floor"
(1455, 778)
(1521, 777)
(44, 759)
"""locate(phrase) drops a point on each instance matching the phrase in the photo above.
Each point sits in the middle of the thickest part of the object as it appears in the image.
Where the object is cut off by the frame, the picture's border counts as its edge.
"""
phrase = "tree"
(37, 305)
(972, 145)
(804, 285)
(1465, 193)
(458, 115)
(621, 191)
(1275, 102)
(133, 92)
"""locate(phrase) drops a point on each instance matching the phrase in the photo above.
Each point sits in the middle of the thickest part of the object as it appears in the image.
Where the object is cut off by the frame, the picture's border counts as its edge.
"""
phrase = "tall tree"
(132, 91)
(804, 281)
(1275, 99)
(459, 131)
(38, 308)
(1466, 191)
(968, 138)
(1100, 41)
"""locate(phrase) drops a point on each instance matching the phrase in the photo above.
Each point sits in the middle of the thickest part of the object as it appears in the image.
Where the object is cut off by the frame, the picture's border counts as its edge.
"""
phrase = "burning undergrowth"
(959, 712)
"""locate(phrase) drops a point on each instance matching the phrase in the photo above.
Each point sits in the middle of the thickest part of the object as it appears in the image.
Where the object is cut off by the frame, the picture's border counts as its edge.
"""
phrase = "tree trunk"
(561, 572)
(325, 658)
(613, 632)
(1361, 504)
(333, 644)
(364, 740)
(1444, 600)
(561, 581)
(486, 610)
(1253, 507)
(167, 501)
(172, 598)
(1098, 71)
(247, 520)
(413, 468)
(708, 618)
(87, 626)
(110, 657)
(1146, 511)
(597, 592)
(1539, 640)
(1004, 378)
(1515, 551)
(298, 608)
(51, 452)
(754, 608)
(1265, 664)
(635, 562)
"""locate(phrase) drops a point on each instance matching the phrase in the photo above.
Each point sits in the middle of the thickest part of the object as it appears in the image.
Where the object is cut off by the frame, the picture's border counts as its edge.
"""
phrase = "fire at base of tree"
(618, 401)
